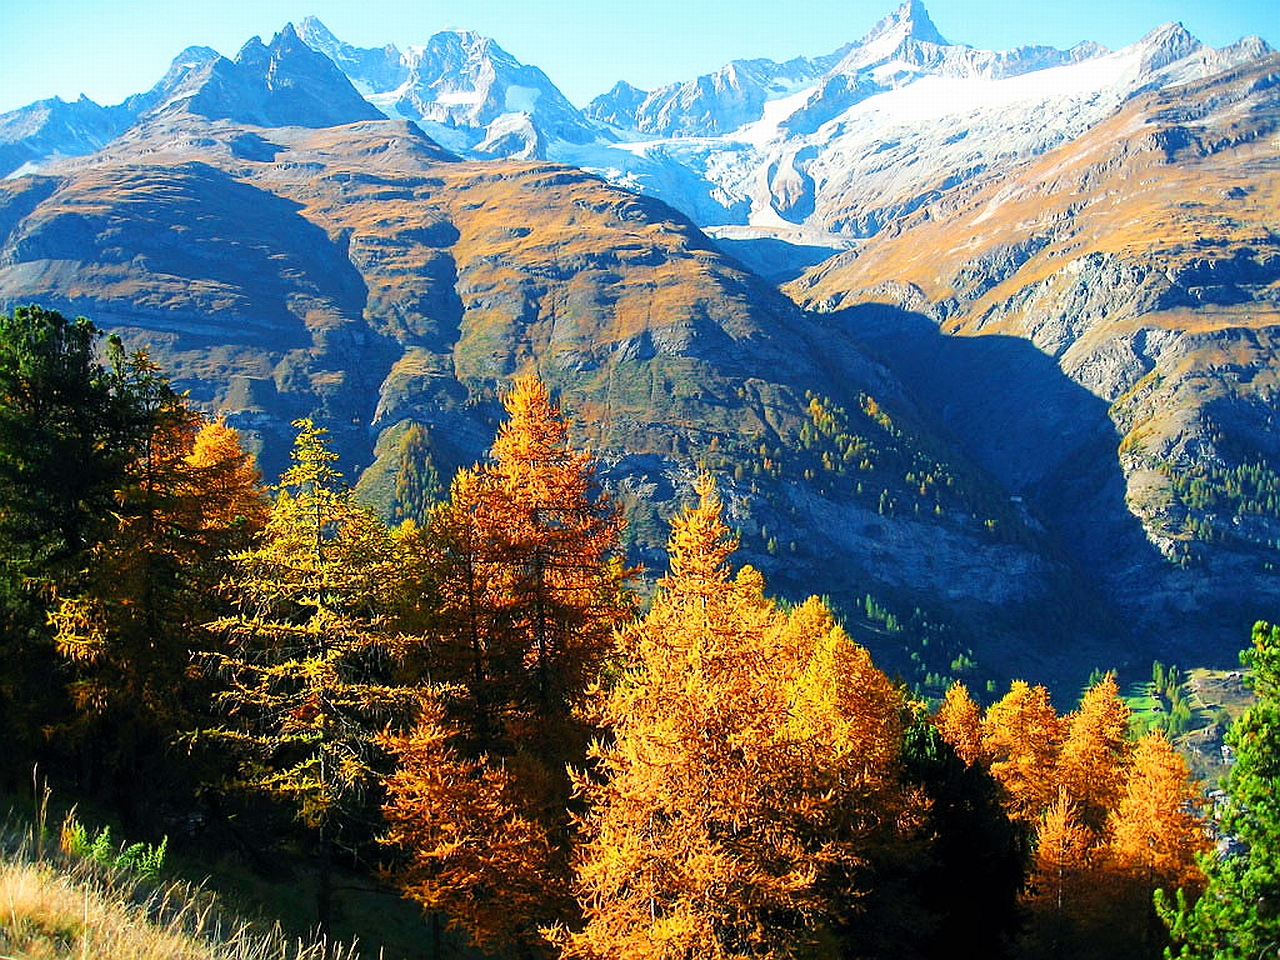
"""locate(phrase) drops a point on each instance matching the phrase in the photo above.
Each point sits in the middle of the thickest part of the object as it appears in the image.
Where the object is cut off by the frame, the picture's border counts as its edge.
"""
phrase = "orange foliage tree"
(1156, 832)
(1113, 820)
(521, 585)
(959, 720)
(1062, 894)
(477, 852)
(754, 761)
(1094, 753)
(1021, 734)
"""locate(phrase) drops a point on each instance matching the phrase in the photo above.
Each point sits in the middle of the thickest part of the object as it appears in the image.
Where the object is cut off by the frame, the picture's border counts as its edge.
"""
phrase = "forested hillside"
(478, 707)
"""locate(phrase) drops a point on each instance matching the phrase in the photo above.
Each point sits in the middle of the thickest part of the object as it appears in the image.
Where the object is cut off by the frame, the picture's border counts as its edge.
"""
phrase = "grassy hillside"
(64, 904)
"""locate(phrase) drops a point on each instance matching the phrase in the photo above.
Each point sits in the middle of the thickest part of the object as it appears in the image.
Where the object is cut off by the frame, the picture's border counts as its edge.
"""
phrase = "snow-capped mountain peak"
(1165, 44)
(463, 88)
(911, 21)
(897, 121)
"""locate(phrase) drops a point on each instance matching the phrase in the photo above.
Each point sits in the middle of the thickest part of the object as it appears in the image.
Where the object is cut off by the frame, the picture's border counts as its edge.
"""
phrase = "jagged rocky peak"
(374, 69)
(1167, 43)
(286, 47)
(187, 71)
(911, 21)
(618, 106)
(459, 84)
(285, 83)
(254, 55)
(191, 58)
(317, 36)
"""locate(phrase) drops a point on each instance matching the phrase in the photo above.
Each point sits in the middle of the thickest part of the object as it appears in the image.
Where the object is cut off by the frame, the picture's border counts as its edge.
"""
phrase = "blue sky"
(109, 49)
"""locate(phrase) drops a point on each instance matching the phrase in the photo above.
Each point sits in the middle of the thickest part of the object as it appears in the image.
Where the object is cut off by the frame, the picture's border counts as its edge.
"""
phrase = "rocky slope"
(362, 275)
(1140, 261)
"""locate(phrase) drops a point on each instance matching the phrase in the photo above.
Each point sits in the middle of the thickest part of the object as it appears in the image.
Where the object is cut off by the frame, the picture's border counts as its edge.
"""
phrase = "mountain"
(286, 83)
(1013, 409)
(283, 83)
(712, 105)
(49, 129)
(363, 275)
(1141, 260)
(463, 89)
(897, 120)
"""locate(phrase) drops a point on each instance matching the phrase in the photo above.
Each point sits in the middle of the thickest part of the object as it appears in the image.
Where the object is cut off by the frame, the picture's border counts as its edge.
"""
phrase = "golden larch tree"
(305, 669)
(226, 479)
(1021, 734)
(495, 885)
(1094, 753)
(754, 753)
(520, 587)
(959, 720)
(1063, 897)
(1156, 832)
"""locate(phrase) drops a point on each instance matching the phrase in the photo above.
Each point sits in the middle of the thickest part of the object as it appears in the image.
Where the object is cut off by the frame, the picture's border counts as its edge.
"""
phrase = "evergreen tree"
(189, 500)
(58, 410)
(417, 482)
(69, 426)
(970, 874)
(1238, 915)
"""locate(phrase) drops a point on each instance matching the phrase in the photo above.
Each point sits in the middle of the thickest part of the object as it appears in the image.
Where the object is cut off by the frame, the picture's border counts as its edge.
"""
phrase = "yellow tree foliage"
(226, 480)
(1094, 753)
(184, 507)
(1156, 829)
(302, 690)
(755, 753)
(1156, 833)
(491, 884)
(1021, 735)
(558, 540)
(959, 720)
(1063, 897)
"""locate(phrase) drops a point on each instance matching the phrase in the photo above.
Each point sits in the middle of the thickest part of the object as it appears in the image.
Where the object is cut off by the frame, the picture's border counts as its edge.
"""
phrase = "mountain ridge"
(1021, 364)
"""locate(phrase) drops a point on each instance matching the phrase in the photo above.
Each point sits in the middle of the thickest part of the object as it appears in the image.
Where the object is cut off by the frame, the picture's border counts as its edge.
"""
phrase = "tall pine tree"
(70, 424)
(521, 585)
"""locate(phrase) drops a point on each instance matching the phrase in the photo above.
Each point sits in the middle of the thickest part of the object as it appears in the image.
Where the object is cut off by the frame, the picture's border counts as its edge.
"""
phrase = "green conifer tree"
(1238, 915)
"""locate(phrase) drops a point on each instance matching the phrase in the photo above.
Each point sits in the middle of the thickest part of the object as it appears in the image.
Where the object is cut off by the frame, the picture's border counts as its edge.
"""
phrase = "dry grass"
(54, 907)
